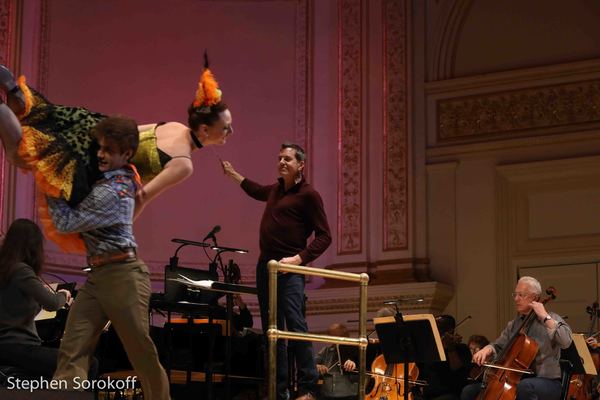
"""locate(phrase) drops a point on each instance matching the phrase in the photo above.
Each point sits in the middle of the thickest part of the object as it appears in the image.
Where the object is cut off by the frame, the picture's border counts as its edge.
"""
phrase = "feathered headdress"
(208, 93)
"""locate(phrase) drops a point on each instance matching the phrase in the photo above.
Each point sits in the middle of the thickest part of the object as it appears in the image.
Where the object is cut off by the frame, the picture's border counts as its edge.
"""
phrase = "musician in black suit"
(242, 317)
(22, 295)
(340, 361)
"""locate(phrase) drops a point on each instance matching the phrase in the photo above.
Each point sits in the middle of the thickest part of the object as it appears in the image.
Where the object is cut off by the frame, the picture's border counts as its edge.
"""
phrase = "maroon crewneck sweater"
(289, 219)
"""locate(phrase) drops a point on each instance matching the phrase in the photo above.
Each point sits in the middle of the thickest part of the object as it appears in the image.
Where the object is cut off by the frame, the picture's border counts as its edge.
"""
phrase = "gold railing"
(274, 334)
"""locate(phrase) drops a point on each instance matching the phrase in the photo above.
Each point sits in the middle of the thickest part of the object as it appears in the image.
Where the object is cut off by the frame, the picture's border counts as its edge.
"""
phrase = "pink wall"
(332, 75)
(143, 58)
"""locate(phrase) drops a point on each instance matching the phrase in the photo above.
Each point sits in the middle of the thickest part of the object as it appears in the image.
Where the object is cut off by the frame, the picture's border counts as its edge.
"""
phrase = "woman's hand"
(68, 295)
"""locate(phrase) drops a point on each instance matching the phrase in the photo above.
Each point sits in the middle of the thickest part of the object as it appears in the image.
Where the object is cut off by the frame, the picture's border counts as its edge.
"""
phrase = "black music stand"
(173, 280)
(409, 338)
(175, 293)
(575, 359)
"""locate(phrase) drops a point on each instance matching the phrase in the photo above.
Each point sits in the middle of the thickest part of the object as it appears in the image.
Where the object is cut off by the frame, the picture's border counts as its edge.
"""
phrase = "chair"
(566, 370)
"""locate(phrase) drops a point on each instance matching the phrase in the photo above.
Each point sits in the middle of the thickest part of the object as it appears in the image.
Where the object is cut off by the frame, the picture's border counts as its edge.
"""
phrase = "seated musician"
(446, 378)
(331, 361)
(242, 317)
(477, 342)
(22, 295)
(592, 342)
(550, 332)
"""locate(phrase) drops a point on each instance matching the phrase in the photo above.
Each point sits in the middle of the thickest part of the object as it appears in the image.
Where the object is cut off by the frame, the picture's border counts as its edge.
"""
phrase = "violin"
(581, 386)
(389, 380)
(513, 361)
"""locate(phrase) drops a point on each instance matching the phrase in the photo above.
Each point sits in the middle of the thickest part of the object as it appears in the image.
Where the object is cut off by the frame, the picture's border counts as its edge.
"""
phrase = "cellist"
(550, 332)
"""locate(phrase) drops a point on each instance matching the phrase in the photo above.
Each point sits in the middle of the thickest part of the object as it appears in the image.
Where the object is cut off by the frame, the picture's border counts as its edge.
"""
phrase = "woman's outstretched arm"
(175, 171)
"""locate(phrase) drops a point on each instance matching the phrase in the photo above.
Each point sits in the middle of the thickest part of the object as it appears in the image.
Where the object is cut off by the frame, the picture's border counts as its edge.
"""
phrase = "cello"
(389, 380)
(513, 361)
(581, 386)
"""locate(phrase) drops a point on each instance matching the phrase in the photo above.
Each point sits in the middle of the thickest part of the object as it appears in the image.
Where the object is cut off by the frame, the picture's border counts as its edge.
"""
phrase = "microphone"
(211, 234)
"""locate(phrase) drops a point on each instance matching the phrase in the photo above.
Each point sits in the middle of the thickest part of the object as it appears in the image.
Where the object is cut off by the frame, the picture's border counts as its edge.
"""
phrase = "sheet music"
(43, 315)
(207, 284)
(202, 284)
(584, 354)
(419, 317)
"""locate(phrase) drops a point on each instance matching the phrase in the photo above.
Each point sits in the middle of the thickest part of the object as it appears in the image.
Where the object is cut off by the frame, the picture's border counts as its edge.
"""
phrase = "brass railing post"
(274, 334)
(272, 331)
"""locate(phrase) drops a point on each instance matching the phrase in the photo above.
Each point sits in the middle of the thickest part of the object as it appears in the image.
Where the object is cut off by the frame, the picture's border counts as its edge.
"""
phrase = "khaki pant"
(120, 293)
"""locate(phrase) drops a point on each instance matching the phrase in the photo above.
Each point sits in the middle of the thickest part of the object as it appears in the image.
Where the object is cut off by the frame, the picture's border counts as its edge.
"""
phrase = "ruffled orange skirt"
(59, 148)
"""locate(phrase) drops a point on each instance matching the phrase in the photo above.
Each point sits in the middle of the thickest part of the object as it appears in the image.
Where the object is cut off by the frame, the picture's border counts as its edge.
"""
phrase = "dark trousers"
(35, 360)
(527, 389)
(290, 307)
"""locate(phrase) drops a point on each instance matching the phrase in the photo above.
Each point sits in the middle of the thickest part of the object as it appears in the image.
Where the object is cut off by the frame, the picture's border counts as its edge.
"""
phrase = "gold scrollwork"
(512, 112)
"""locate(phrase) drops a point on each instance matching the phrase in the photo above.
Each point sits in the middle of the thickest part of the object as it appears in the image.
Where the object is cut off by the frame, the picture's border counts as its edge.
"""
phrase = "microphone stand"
(228, 323)
(229, 326)
(173, 263)
(216, 264)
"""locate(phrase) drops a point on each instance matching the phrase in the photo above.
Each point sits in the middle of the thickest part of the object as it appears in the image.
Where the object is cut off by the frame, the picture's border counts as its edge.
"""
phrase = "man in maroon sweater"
(294, 211)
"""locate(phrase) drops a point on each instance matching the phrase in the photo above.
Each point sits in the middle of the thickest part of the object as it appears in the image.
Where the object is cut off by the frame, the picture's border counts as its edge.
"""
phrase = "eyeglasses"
(521, 295)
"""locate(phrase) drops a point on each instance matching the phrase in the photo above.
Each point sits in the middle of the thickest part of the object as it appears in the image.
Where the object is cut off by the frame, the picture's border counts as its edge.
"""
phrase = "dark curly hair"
(121, 130)
(24, 243)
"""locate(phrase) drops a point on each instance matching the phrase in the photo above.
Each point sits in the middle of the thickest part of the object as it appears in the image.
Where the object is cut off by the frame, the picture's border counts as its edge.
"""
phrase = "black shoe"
(7, 80)
(16, 97)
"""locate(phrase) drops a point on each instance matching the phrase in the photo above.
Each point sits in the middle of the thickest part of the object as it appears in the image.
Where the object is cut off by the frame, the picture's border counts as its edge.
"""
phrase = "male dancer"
(118, 285)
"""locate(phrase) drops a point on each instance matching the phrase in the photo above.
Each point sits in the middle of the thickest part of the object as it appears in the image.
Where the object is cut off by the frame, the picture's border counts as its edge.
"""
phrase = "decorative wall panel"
(519, 112)
(303, 107)
(395, 123)
(545, 211)
(350, 127)
(6, 39)
(44, 52)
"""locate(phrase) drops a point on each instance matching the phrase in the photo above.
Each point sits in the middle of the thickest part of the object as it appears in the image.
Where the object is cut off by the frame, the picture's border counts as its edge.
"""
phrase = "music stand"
(576, 359)
(409, 338)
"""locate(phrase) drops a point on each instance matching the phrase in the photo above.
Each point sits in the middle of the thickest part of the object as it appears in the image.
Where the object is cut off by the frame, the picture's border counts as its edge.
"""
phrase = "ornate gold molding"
(6, 30)
(44, 49)
(7, 11)
(303, 60)
(519, 112)
(350, 127)
(395, 125)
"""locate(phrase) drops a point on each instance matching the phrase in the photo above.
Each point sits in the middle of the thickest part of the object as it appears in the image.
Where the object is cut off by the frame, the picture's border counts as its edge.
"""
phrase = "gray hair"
(385, 312)
(533, 284)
